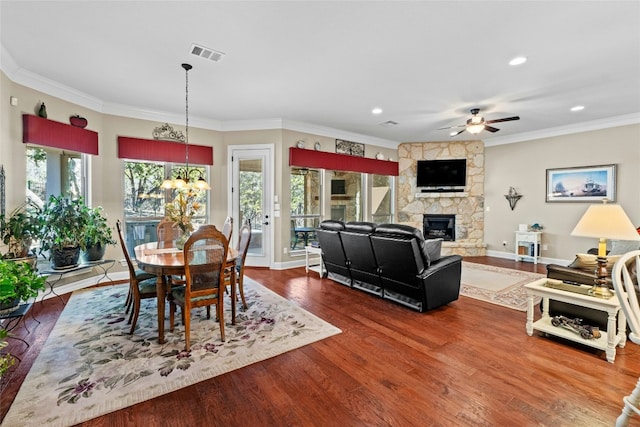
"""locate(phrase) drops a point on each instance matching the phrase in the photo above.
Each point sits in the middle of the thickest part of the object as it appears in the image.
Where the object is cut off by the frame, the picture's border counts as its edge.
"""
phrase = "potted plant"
(63, 230)
(19, 282)
(19, 229)
(98, 235)
(6, 359)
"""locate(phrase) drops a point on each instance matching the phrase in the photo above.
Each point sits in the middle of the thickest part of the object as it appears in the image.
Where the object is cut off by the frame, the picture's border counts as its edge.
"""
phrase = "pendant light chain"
(186, 67)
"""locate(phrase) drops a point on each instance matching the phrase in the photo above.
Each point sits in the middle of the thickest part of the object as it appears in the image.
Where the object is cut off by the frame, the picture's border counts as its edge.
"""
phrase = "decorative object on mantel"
(317, 146)
(78, 121)
(167, 133)
(512, 196)
(348, 147)
(379, 156)
(183, 180)
(300, 144)
(42, 111)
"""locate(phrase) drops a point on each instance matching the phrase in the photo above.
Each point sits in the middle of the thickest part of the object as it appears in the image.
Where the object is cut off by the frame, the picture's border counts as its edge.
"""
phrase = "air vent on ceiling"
(388, 123)
(206, 53)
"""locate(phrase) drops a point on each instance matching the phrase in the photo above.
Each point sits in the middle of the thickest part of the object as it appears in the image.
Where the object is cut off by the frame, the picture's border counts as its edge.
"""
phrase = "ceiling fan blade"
(451, 127)
(457, 133)
(490, 128)
(506, 119)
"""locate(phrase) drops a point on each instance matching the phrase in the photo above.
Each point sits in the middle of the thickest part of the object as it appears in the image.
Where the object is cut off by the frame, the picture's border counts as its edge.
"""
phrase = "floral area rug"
(91, 366)
(501, 286)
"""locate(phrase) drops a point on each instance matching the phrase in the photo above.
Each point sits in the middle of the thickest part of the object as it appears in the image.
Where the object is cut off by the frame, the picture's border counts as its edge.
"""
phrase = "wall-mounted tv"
(441, 173)
(338, 186)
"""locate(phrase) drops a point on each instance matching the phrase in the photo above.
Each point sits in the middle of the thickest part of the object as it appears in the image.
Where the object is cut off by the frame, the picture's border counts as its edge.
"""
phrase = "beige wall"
(523, 165)
(106, 169)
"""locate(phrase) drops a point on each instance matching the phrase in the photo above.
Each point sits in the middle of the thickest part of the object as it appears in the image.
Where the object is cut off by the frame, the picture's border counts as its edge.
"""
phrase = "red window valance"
(340, 162)
(49, 133)
(163, 151)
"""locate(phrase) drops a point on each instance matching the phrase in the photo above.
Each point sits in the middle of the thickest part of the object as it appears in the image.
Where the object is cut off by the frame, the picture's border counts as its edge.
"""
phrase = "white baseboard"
(542, 260)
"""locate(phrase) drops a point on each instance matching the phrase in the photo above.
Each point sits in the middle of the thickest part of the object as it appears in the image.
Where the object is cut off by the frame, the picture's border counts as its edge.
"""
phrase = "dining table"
(164, 259)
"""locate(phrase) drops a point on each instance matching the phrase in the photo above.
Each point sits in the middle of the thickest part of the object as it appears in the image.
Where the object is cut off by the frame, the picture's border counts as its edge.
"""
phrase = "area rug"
(501, 286)
(91, 366)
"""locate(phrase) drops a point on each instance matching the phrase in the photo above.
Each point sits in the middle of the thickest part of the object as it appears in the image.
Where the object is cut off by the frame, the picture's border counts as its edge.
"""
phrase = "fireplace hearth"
(439, 226)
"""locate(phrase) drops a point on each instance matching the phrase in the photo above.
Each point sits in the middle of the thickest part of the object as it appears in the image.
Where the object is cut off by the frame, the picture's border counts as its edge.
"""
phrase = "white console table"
(615, 335)
(528, 245)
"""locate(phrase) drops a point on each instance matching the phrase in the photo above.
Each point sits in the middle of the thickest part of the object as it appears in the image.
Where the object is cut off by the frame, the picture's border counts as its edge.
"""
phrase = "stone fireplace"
(439, 226)
(464, 232)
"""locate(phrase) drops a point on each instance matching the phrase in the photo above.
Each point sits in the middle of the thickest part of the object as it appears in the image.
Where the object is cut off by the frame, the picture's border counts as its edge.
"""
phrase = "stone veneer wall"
(467, 206)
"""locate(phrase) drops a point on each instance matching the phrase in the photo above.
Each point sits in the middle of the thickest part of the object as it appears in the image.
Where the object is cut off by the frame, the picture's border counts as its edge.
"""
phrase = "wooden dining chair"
(227, 228)
(625, 282)
(167, 230)
(205, 255)
(142, 285)
(243, 246)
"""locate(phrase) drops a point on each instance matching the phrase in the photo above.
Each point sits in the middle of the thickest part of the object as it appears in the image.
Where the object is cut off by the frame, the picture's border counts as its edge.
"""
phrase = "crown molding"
(609, 122)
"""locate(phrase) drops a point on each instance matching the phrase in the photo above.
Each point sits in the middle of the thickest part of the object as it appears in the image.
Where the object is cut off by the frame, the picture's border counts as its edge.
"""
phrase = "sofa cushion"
(332, 225)
(588, 262)
(360, 227)
(399, 230)
(621, 247)
(431, 250)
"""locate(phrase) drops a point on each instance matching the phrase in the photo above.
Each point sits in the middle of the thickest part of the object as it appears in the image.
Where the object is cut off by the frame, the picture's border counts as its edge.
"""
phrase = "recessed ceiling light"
(518, 60)
(376, 111)
(577, 108)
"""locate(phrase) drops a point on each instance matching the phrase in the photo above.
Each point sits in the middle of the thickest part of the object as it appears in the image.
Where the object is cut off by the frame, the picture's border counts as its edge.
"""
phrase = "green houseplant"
(19, 229)
(98, 235)
(6, 360)
(19, 282)
(63, 230)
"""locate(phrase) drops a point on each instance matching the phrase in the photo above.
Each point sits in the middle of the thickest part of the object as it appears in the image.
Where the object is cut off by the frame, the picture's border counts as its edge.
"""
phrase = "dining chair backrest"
(625, 282)
(205, 254)
(227, 228)
(125, 251)
(243, 245)
(167, 230)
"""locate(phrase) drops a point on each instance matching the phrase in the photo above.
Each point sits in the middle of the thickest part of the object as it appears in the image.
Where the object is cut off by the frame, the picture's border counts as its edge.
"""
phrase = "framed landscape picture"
(582, 184)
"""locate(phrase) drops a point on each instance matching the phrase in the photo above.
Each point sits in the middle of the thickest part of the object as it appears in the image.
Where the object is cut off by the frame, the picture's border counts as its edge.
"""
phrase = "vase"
(180, 241)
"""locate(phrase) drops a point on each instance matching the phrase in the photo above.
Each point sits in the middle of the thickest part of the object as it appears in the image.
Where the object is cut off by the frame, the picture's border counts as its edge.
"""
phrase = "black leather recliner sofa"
(392, 261)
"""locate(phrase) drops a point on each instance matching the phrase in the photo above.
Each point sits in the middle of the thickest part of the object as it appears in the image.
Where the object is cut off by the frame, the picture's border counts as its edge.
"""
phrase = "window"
(346, 201)
(145, 199)
(54, 172)
(306, 199)
(382, 196)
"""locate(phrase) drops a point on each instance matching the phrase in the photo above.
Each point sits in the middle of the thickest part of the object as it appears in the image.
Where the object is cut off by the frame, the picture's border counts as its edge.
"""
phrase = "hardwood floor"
(469, 363)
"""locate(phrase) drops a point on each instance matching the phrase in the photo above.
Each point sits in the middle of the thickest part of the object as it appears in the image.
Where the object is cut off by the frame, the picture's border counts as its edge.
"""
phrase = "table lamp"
(605, 221)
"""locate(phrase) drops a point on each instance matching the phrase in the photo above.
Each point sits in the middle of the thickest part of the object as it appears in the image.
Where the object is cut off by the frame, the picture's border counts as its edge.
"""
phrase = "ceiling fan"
(477, 124)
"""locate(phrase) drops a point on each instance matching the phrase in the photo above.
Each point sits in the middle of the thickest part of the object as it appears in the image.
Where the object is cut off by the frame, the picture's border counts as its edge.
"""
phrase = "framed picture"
(582, 184)
(348, 147)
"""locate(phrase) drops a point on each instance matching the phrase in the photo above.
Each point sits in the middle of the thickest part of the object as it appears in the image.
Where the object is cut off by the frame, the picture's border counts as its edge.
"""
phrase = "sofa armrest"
(443, 263)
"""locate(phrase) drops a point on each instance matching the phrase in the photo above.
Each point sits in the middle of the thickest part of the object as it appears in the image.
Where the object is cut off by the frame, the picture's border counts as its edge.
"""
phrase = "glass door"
(252, 183)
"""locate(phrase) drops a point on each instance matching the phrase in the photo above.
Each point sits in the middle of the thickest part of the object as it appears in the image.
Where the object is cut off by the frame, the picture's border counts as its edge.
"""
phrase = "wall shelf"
(441, 195)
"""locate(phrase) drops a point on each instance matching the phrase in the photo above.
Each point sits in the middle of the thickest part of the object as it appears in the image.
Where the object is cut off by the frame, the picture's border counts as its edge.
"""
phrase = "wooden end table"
(608, 340)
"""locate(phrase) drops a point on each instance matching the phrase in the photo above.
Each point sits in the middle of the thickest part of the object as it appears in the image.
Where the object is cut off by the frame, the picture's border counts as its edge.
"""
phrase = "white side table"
(608, 340)
(528, 245)
(313, 260)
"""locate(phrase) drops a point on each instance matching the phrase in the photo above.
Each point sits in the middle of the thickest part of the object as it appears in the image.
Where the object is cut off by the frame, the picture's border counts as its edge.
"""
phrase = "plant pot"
(65, 258)
(94, 252)
(9, 306)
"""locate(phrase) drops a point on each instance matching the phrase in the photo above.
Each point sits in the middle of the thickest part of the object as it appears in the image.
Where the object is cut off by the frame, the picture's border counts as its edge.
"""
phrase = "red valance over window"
(163, 151)
(49, 133)
(340, 162)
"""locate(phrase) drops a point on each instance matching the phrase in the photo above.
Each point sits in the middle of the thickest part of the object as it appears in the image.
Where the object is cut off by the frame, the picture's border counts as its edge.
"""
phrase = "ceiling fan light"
(475, 128)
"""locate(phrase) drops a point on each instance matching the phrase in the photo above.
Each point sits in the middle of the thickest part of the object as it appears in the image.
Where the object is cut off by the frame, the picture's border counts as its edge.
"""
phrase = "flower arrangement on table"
(182, 210)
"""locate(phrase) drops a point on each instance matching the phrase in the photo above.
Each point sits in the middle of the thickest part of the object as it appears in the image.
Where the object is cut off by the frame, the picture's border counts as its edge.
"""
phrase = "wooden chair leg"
(135, 311)
(172, 315)
(241, 290)
(220, 311)
(187, 326)
(631, 406)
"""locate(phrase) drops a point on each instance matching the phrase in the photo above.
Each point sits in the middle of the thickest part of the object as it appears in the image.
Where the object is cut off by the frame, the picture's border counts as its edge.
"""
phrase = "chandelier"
(184, 178)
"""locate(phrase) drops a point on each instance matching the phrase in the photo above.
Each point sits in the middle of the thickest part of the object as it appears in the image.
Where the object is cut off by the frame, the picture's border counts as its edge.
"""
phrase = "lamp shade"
(607, 221)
